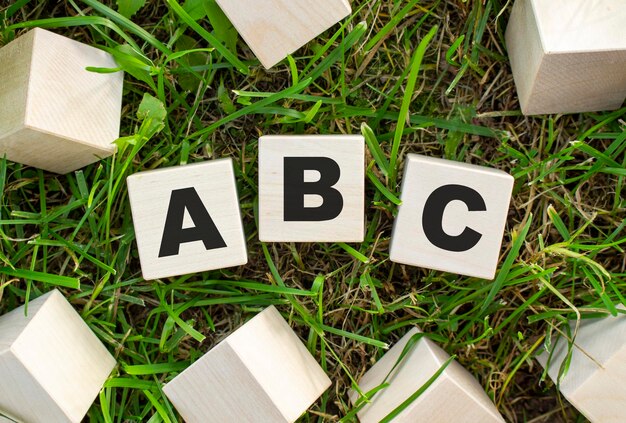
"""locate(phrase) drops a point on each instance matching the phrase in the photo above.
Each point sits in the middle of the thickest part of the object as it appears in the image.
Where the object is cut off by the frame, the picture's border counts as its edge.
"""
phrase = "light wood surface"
(274, 29)
(568, 56)
(455, 396)
(349, 154)
(422, 176)
(51, 365)
(150, 194)
(594, 383)
(260, 373)
(56, 115)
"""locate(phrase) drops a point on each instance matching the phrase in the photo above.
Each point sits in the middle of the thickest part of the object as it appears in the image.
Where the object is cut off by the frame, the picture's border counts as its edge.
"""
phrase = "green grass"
(426, 77)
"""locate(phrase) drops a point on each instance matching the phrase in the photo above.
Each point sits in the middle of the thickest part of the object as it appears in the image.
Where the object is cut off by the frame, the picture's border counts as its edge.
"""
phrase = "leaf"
(185, 43)
(128, 8)
(133, 63)
(48, 278)
(226, 104)
(518, 242)
(224, 29)
(416, 64)
(375, 150)
(195, 9)
(152, 113)
(210, 38)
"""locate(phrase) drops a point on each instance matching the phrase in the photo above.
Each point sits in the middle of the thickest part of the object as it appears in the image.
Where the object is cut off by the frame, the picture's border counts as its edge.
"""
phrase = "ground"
(563, 243)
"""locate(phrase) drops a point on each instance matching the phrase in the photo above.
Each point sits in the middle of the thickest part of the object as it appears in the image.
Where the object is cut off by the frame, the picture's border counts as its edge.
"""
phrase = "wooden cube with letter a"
(57, 115)
(453, 396)
(568, 56)
(52, 366)
(594, 380)
(261, 373)
(311, 188)
(187, 219)
(452, 216)
(275, 28)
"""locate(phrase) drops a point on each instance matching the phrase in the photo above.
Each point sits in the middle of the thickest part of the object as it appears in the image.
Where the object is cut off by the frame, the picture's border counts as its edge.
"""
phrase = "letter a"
(204, 230)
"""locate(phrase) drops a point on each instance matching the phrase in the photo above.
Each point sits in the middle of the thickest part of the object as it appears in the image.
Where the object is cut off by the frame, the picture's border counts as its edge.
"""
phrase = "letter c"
(432, 218)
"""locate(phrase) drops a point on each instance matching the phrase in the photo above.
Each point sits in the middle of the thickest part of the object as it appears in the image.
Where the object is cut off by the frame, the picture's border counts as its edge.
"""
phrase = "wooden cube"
(568, 56)
(455, 396)
(56, 115)
(311, 188)
(52, 366)
(274, 29)
(452, 216)
(261, 373)
(187, 219)
(594, 382)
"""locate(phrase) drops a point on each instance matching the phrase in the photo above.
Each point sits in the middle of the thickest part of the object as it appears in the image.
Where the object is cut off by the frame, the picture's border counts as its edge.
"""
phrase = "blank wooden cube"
(594, 383)
(187, 219)
(51, 365)
(452, 216)
(311, 188)
(261, 373)
(274, 29)
(56, 115)
(455, 396)
(568, 56)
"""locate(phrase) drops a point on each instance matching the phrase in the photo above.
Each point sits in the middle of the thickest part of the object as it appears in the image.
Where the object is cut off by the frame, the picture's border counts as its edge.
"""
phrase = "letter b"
(296, 188)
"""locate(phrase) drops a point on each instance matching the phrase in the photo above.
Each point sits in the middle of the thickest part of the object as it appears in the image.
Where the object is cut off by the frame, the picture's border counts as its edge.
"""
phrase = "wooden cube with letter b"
(56, 114)
(262, 372)
(452, 216)
(311, 188)
(187, 219)
(52, 366)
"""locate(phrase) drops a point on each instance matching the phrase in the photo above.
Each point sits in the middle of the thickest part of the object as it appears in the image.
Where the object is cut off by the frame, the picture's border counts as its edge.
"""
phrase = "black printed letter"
(204, 230)
(296, 188)
(432, 218)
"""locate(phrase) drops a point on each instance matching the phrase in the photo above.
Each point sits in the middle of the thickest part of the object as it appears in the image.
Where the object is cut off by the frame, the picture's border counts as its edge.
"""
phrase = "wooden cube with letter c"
(452, 216)
(187, 219)
(311, 188)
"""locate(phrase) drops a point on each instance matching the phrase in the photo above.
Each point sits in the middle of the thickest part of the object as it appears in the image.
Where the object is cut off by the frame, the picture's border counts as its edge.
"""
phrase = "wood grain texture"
(594, 383)
(260, 373)
(454, 397)
(57, 115)
(274, 29)
(150, 193)
(349, 154)
(568, 56)
(51, 365)
(422, 176)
